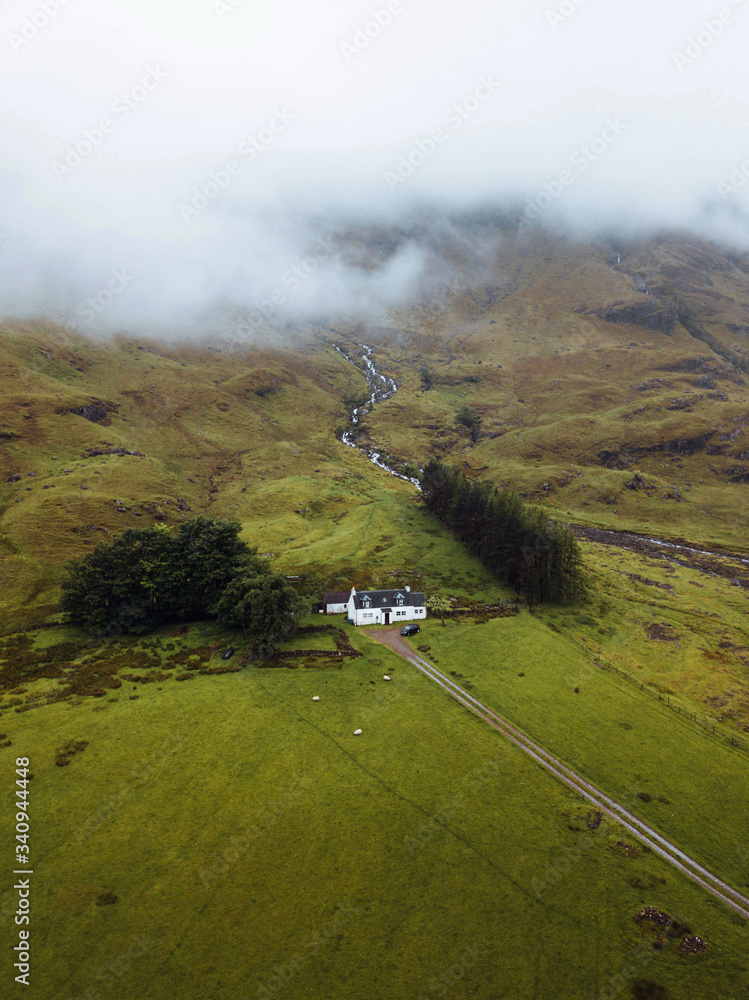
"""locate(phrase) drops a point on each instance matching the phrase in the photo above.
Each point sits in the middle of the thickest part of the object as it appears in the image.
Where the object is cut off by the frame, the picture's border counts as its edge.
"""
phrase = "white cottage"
(385, 607)
(335, 602)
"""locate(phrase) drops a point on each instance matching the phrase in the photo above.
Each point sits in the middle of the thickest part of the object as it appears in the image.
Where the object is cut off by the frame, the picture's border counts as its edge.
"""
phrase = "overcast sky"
(173, 152)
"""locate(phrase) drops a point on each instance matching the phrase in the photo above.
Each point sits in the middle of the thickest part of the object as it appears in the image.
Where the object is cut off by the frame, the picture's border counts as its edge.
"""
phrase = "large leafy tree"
(263, 605)
(149, 576)
(439, 605)
(125, 586)
(209, 554)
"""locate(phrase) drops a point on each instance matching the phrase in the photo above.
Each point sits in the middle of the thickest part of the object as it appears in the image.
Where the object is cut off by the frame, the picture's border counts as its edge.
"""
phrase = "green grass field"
(688, 783)
(256, 847)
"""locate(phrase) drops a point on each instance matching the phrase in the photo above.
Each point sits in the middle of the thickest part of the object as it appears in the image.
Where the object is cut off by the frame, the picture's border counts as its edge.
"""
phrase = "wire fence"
(708, 725)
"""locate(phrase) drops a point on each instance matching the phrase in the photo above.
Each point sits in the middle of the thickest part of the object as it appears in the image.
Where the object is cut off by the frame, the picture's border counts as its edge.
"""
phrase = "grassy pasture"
(689, 784)
(256, 847)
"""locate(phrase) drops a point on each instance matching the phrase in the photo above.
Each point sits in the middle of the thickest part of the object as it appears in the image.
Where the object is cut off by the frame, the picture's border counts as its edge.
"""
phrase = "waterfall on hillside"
(381, 387)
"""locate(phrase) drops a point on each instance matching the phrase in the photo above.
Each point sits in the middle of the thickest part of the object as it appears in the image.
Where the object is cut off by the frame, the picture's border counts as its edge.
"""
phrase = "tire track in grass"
(639, 829)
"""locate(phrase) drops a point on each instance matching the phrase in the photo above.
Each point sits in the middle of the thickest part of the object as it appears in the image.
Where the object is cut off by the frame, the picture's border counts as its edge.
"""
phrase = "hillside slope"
(624, 425)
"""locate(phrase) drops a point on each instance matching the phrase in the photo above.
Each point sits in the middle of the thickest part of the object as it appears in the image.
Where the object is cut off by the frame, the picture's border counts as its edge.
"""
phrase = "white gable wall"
(336, 609)
(374, 615)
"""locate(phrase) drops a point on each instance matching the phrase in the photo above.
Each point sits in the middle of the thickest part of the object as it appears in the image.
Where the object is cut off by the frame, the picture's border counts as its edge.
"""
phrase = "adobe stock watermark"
(31, 26)
(121, 109)
(737, 180)
(222, 8)
(580, 162)
(448, 978)
(219, 180)
(338, 21)
(108, 974)
(562, 13)
(279, 977)
(470, 785)
(262, 820)
(712, 29)
(454, 117)
(139, 775)
(568, 858)
(366, 33)
(619, 984)
(291, 280)
(94, 305)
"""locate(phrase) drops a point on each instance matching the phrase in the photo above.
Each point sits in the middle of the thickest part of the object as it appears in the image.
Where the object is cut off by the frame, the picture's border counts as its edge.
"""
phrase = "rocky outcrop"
(738, 473)
(624, 456)
(110, 450)
(649, 314)
(97, 411)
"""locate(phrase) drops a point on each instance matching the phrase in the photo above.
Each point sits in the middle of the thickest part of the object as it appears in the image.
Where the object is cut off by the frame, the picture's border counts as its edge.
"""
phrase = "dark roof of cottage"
(336, 597)
(387, 598)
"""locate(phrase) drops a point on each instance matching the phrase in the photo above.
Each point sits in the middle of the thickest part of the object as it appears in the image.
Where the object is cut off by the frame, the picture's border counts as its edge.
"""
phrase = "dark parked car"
(410, 630)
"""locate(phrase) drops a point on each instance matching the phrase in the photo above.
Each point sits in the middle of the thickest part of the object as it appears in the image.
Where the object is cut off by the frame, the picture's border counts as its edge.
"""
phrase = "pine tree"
(519, 544)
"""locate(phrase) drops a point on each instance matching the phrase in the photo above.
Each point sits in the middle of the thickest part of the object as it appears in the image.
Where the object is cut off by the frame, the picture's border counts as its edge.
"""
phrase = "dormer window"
(366, 602)
(400, 599)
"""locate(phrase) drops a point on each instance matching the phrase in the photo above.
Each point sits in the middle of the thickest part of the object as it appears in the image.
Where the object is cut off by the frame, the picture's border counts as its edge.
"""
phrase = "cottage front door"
(386, 616)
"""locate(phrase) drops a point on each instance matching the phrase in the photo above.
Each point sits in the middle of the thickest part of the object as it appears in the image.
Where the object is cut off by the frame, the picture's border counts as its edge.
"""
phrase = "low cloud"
(192, 168)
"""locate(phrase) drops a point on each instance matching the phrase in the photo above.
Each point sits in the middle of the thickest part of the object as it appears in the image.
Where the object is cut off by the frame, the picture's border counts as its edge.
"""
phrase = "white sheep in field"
(316, 697)
(357, 732)
(385, 677)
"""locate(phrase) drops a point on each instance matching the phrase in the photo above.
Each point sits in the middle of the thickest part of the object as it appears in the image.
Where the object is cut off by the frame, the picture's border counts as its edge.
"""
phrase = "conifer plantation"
(539, 558)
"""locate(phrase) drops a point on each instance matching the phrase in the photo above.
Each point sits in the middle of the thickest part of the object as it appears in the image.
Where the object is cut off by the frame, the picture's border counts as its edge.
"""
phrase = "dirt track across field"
(645, 834)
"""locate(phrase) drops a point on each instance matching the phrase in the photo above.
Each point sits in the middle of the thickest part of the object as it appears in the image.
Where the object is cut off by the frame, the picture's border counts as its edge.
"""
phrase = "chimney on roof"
(408, 590)
(353, 591)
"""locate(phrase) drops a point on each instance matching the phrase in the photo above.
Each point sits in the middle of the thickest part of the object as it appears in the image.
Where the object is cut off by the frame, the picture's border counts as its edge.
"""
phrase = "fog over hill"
(194, 168)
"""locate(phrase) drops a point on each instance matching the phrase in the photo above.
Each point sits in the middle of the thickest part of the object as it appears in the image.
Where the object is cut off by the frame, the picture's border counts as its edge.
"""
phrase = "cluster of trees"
(149, 576)
(469, 419)
(539, 558)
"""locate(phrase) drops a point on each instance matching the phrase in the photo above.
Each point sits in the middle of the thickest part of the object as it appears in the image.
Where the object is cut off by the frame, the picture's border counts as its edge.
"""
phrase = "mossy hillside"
(339, 521)
(270, 834)
(215, 441)
(274, 457)
(679, 629)
(556, 385)
(552, 454)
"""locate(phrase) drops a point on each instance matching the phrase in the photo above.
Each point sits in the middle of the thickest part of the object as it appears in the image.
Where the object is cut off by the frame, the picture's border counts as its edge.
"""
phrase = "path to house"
(645, 834)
